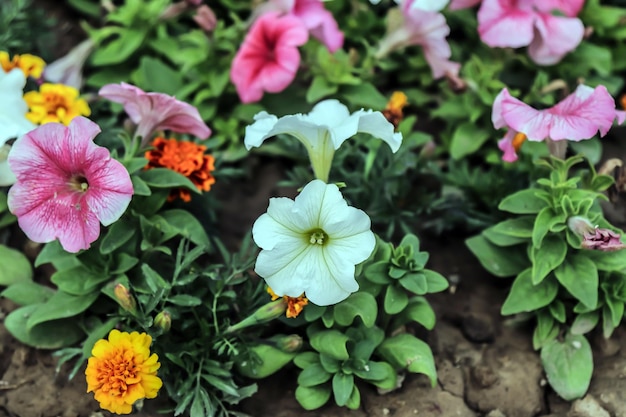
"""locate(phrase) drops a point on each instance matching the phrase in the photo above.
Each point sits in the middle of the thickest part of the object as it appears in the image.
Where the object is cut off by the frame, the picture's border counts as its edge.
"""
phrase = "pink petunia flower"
(463, 4)
(517, 23)
(602, 239)
(269, 58)
(579, 116)
(320, 22)
(66, 184)
(156, 111)
(427, 29)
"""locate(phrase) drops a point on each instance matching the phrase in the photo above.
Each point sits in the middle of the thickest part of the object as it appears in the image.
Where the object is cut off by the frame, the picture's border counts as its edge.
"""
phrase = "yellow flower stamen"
(518, 140)
(121, 371)
(31, 65)
(393, 112)
(55, 103)
(295, 305)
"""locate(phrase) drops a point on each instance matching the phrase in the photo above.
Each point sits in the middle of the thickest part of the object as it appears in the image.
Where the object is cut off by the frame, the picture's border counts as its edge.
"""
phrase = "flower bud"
(265, 313)
(163, 320)
(289, 343)
(205, 18)
(125, 298)
(580, 225)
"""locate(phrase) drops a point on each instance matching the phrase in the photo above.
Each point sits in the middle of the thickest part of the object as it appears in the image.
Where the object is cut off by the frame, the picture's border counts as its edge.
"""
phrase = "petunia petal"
(506, 146)
(497, 17)
(556, 37)
(375, 124)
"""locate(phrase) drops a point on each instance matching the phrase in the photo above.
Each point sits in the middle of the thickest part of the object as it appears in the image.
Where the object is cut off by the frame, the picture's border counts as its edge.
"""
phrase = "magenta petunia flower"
(269, 58)
(156, 111)
(579, 116)
(517, 23)
(66, 184)
(319, 21)
(427, 29)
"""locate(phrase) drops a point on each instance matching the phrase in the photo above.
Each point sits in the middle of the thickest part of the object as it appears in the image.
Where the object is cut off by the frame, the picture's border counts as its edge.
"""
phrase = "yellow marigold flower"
(295, 305)
(122, 371)
(55, 103)
(393, 112)
(31, 65)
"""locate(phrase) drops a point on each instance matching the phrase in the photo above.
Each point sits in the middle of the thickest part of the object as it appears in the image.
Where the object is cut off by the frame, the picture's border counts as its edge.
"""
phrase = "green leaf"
(154, 75)
(414, 282)
(49, 335)
(578, 274)
(380, 374)
(166, 178)
(396, 299)
(320, 88)
(139, 186)
(404, 351)
(305, 359)
(546, 219)
(311, 398)
(501, 262)
(435, 281)
(54, 253)
(418, 310)
(98, 333)
(17, 270)
(585, 322)
(79, 280)
(27, 292)
(264, 360)
(187, 225)
(331, 342)
(523, 202)
(330, 365)
(343, 385)
(467, 139)
(118, 50)
(545, 260)
(61, 305)
(568, 365)
(500, 239)
(185, 300)
(521, 227)
(607, 261)
(526, 297)
(119, 233)
(359, 304)
(364, 95)
(545, 331)
(354, 402)
(378, 272)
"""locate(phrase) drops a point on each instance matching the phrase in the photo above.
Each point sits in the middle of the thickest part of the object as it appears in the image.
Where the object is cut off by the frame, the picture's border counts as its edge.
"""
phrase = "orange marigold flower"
(295, 305)
(186, 158)
(55, 103)
(122, 371)
(393, 112)
(31, 65)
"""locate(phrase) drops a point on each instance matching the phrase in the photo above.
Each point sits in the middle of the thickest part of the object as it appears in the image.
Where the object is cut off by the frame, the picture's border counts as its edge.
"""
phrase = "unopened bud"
(163, 320)
(265, 313)
(125, 298)
(205, 18)
(580, 225)
(289, 344)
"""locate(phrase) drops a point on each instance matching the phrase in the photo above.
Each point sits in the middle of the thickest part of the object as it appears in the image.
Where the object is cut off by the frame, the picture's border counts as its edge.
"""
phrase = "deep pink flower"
(269, 58)
(427, 29)
(602, 239)
(517, 23)
(319, 21)
(156, 111)
(463, 4)
(66, 184)
(579, 116)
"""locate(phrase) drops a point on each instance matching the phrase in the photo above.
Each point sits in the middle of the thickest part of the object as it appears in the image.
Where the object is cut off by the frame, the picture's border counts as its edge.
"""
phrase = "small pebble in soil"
(478, 328)
(587, 407)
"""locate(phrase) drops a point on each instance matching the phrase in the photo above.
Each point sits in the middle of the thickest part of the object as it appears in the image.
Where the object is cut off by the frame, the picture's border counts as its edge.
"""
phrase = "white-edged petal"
(287, 267)
(257, 132)
(374, 123)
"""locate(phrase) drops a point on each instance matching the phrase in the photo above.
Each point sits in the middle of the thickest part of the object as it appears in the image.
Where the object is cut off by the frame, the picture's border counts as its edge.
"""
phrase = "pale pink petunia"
(463, 4)
(320, 23)
(156, 111)
(579, 116)
(427, 29)
(66, 184)
(268, 59)
(518, 23)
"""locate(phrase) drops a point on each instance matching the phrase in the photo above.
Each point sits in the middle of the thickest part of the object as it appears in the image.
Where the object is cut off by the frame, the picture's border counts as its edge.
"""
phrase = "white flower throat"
(318, 237)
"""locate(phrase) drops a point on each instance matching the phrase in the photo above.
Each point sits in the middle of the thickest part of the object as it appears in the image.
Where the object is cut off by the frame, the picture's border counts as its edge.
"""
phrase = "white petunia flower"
(311, 245)
(322, 131)
(13, 121)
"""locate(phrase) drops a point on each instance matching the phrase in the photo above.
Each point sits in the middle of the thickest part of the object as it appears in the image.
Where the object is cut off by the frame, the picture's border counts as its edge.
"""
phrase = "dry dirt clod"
(478, 328)
(484, 376)
(450, 377)
(587, 407)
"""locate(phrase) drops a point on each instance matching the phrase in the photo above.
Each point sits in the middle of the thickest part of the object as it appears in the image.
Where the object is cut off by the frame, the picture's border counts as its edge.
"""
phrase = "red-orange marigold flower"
(295, 305)
(186, 158)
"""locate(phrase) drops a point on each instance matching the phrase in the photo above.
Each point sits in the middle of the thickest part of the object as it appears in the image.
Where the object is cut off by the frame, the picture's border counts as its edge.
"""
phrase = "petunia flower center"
(318, 237)
(79, 183)
(518, 140)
